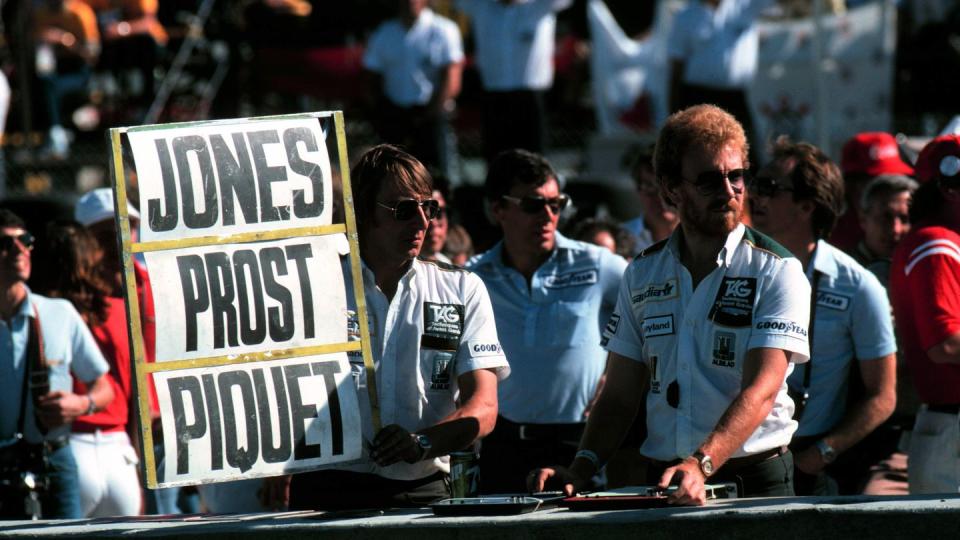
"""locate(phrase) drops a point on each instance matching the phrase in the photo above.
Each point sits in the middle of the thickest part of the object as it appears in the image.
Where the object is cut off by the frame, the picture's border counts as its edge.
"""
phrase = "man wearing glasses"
(925, 290)
(435, 347)
(797, 199)
(706, 328)
(42, 342)
(551, 297)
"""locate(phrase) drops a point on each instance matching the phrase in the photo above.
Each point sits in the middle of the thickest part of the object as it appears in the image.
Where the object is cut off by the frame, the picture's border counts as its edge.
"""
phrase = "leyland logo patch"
(733, 305)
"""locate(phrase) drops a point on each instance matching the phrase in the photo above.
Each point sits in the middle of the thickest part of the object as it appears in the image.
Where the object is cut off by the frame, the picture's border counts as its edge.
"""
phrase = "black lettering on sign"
(291, 140)
(222, 296)
(178, 386)
(230, 178)
(299, 254)
(196, 298)
(239, 456)
(236, 179)
(245, 263)
(300, 413)
(213, 418)
(273, 262)
(280, 452)
(327, 369)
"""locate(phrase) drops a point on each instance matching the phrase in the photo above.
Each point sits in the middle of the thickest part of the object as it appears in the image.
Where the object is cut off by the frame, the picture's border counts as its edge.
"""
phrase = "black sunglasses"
(710, 182)
(407, 208)
(535, 205)
(8, 243)
(765, 186)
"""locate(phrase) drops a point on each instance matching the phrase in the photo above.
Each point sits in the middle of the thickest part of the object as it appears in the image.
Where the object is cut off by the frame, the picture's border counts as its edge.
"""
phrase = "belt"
(539, 432)
(953, 408)
(53, 445)
(731, 464)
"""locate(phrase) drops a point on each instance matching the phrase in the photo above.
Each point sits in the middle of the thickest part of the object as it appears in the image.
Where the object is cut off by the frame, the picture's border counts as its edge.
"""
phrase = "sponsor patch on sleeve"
(783, 326)
(484, 348)
(572, 279)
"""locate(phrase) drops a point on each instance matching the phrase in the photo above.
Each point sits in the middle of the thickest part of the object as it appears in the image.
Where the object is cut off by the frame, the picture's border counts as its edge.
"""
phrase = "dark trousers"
(512, 450)
(61, 498)
(345, 490)
(771, 477)
(418, 130)
(732, 101)
(515, 119)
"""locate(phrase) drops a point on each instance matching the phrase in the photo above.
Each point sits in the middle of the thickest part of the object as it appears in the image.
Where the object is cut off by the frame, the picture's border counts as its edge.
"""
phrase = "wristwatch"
(827, 453)
(423, 442)
(706, 463)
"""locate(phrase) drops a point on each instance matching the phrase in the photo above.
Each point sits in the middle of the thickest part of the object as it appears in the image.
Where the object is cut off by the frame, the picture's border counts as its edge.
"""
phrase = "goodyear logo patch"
(783, 326)
(484, 348)
(572, 279)
(654, 293)
(835, 301)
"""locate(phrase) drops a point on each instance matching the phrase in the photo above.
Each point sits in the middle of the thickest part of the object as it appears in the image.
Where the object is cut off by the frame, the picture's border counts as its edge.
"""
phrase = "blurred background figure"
(514, 52)
(101, 442)
(459, 246)
(68, 46)
(865, 156)
(437, 231)
(885, 219)
(415, 63)
(605, 233)
(656, 220)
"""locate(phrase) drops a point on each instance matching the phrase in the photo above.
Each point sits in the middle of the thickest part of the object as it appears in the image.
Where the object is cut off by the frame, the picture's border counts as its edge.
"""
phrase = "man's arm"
(448, 87)
(472, 420)
(880, 382)
(59, 408)
(947, 351)
(623, 391)
(764, 371)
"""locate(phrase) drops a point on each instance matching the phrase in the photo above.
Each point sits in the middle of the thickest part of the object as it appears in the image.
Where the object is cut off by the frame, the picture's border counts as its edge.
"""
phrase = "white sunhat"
(97, 205)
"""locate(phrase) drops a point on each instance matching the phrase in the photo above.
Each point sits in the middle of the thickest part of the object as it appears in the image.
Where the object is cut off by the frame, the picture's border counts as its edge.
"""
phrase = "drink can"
(464, 474)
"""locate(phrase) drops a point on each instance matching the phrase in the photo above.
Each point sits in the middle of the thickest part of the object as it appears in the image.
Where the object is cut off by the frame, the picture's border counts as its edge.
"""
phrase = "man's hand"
(275, 492)
(809, 460)
(58, 408)
(555, 478)
(690, 480)
(392, 444)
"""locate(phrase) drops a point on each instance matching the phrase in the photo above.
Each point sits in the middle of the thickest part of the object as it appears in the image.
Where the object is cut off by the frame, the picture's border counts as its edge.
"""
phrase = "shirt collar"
(26, 307)
(494, 256)
(724, 257)
(823, 261)
(425, 17)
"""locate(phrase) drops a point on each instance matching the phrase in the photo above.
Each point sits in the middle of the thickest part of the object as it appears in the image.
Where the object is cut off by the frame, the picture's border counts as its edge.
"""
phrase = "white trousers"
(934, 455)
(107, 466)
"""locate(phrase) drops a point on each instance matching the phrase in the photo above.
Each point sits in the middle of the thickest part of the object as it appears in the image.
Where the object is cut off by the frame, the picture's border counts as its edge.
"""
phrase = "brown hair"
(69, 266)
(701, 126)
(815, 178)
(378, 164)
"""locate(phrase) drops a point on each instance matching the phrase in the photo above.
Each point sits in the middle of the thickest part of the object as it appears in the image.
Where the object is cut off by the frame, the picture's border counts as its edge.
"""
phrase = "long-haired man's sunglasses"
(535, 205)
(710, 182)
(766, 186)
(407, 208)
(8, 243)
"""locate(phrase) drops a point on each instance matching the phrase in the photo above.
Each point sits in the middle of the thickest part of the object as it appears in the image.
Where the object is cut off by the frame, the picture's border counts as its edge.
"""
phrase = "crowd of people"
(790, 327)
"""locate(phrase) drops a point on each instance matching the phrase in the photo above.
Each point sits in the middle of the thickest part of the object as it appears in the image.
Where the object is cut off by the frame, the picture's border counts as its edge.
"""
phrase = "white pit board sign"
(240, 241)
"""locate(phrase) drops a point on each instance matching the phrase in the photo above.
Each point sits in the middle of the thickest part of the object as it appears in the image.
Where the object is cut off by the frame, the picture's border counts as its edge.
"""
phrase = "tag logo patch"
(572, 279)
(654, 293)
(657, 326)
(484, 348)
(733, 305)
(442, 326)
(724, 349)
(835, 301)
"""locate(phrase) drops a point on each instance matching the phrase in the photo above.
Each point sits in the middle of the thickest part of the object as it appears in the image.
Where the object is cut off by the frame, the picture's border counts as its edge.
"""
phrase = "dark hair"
(641, 160)
(585, 231)
(815, 178)
(376, 165)
(512, 167)
(701, 126)
(69, 270)
(442, 184)
(9, 220)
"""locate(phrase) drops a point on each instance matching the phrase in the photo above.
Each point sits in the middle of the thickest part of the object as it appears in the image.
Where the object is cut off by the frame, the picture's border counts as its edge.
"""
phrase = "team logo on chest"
(440, 373)
(571, 279)
(725, 349)
(733, 305)
(654, 293)
(442, 326)
(835, 301)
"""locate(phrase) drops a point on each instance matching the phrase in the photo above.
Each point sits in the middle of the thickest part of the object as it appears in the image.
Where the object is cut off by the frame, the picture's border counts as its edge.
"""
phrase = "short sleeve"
(933, 274)
(453, 44)
(373, 55)
(872, 326)
(782, 312)
(622, 332)
(479, 346)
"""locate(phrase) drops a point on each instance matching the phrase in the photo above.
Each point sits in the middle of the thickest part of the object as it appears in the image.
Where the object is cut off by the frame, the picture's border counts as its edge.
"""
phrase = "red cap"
(873, 154)
(940, 158)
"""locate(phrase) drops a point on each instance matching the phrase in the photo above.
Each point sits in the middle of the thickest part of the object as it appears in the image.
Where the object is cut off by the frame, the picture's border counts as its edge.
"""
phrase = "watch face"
(423, 441)
(706, 466)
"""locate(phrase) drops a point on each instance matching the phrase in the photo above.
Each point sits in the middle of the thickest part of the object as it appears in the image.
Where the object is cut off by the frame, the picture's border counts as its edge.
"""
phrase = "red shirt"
(925, 292)
(111, 336)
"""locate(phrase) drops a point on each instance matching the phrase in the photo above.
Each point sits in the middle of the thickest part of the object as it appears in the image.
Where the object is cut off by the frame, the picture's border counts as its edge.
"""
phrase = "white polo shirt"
(514, 42)
(757, 297)
(719, 46)
(411, 59)
(438, 326)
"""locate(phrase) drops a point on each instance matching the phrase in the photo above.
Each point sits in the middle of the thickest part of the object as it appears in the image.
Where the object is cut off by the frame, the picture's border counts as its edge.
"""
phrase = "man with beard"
(551, 297)
(707, 326)
(796, 199)
(435, 348)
